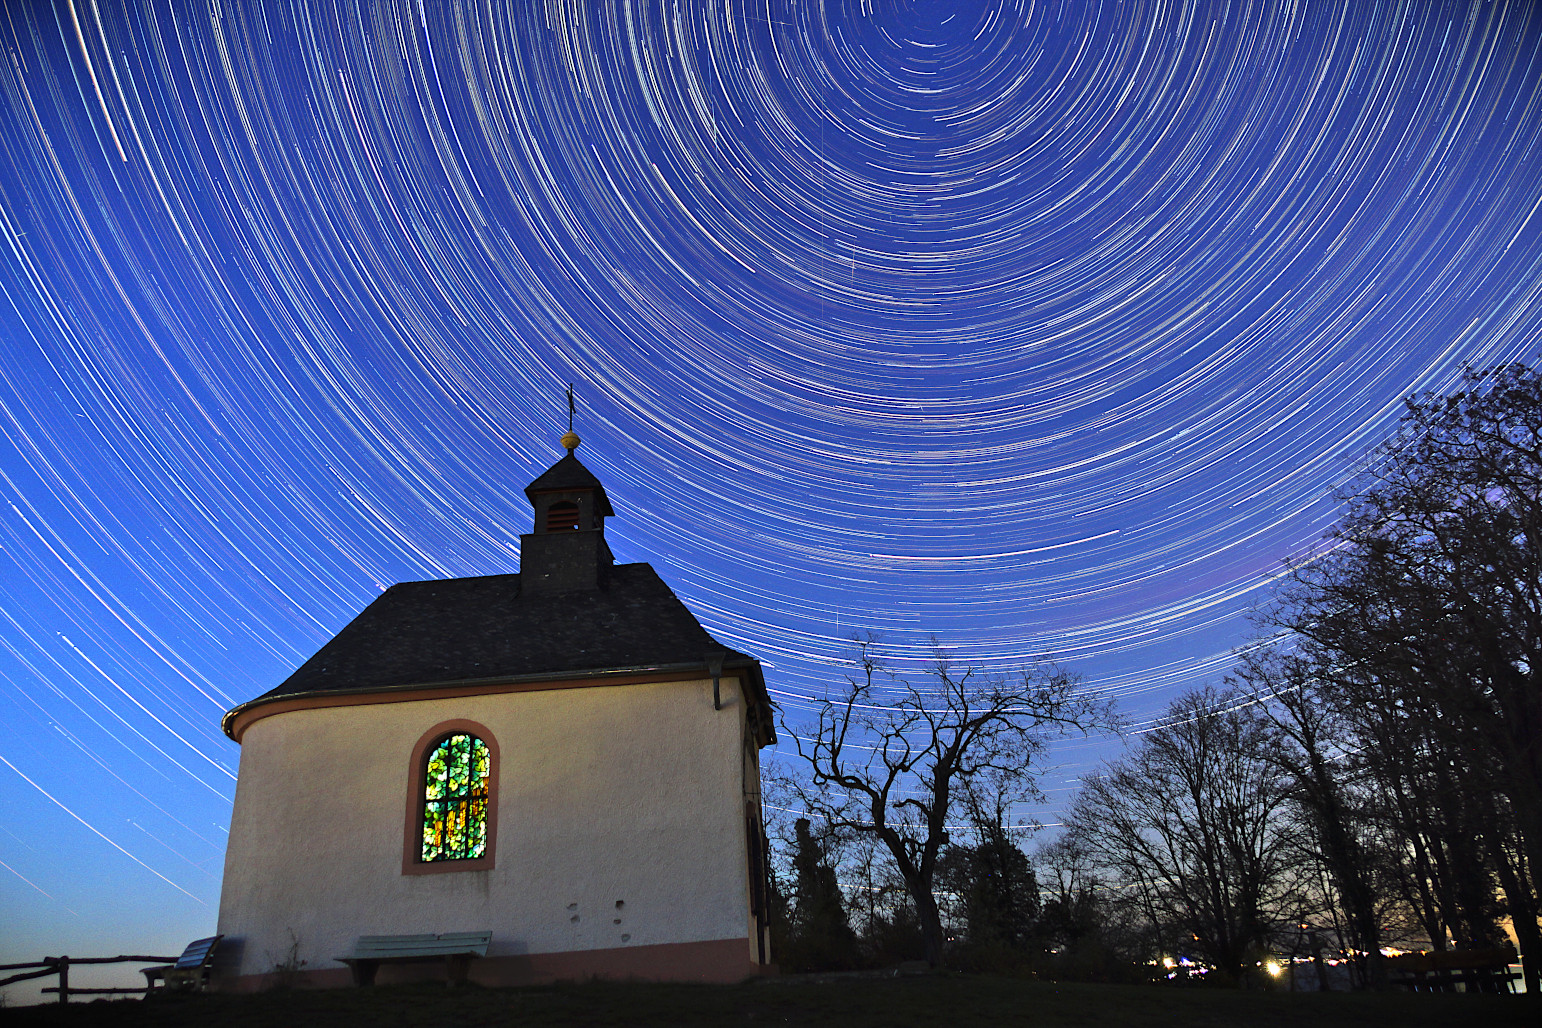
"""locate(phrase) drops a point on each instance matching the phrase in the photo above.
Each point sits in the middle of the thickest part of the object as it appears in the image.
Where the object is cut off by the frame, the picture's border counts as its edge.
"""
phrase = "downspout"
(715, 657)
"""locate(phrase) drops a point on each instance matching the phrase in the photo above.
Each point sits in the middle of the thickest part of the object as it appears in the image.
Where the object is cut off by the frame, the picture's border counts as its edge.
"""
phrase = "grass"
(829, 1001)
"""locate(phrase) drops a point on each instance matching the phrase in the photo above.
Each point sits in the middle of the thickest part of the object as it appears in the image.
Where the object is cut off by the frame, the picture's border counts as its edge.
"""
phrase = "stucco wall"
(620, 823)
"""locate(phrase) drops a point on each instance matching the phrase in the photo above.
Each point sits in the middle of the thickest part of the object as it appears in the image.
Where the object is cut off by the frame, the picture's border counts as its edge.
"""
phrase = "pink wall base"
(721, 961)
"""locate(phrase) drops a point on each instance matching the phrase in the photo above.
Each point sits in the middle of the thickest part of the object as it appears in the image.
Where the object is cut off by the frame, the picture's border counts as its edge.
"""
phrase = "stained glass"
(455, 799)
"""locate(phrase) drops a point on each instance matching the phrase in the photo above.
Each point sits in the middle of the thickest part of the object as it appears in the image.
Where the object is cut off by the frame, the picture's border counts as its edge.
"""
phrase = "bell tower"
(566, 551)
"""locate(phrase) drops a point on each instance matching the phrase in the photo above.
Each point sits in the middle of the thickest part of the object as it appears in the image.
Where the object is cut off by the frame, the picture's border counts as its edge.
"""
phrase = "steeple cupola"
(567, 549)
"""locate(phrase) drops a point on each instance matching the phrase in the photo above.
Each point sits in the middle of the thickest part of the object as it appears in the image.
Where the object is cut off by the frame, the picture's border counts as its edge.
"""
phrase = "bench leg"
(457, 967)
(363, 971)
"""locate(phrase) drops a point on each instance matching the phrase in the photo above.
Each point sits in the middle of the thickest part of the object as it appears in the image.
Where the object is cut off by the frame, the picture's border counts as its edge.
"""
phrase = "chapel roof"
(466, 630)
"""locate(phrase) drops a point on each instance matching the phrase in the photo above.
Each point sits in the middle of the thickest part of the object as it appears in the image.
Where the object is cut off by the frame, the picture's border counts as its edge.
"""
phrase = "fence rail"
(61, 966)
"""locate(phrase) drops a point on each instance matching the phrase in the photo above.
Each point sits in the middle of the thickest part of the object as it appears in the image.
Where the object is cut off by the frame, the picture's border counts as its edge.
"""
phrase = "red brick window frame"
(417, 781)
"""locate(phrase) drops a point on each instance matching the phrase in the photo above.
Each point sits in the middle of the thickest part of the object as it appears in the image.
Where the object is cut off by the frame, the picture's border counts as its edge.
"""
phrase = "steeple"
(567, 550)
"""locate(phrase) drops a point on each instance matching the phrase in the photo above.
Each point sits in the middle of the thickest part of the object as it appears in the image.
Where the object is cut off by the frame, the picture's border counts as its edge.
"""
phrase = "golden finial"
(570, 438)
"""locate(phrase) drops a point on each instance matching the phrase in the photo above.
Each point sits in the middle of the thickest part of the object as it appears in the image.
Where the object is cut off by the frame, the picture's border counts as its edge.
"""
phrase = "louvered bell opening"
(562, 517)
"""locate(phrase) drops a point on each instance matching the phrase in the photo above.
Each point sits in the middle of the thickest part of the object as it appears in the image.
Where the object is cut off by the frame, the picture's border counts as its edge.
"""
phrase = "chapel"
(563, 758)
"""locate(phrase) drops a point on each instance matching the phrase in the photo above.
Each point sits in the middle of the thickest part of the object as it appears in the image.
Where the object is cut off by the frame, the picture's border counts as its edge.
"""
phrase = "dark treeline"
(1000, 912)
(1369, 776)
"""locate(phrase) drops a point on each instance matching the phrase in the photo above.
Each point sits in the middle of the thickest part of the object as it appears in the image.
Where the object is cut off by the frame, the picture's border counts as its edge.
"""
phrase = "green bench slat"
(411, 947)
(196, 953)
(190, 971)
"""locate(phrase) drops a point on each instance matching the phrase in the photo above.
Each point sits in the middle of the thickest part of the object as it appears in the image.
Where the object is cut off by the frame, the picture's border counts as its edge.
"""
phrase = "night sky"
(1048, 328)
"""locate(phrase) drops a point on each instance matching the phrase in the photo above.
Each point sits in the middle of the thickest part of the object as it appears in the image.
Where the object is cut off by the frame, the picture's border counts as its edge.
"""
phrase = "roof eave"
(227, 723)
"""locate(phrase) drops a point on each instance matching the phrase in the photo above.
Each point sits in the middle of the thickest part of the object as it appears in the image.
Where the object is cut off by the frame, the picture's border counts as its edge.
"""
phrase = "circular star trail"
(1044, 328)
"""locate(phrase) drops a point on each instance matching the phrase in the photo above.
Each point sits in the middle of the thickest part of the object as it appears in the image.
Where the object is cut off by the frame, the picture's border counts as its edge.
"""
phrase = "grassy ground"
(846, 1003)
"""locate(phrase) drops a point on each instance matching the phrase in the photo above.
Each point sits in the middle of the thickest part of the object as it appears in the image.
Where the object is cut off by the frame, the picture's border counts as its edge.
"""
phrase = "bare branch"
(958, 733)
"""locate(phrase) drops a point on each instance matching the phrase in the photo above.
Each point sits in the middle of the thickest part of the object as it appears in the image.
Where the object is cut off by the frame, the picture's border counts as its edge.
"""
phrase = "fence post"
(64, 979)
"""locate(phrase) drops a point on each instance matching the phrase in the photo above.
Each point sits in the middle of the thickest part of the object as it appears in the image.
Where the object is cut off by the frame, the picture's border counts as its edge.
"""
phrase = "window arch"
(452, 800)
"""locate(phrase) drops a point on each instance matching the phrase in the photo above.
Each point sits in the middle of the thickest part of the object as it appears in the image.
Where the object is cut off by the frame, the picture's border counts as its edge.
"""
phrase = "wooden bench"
(189, 973)
(1477, 970)
(455, 948)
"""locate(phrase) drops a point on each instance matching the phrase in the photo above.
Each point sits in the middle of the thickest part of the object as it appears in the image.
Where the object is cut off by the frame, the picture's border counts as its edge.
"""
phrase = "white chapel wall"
(619, 794)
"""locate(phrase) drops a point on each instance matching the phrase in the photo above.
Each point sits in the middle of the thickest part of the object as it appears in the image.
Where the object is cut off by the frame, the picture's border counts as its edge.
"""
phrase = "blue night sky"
(1046, 327)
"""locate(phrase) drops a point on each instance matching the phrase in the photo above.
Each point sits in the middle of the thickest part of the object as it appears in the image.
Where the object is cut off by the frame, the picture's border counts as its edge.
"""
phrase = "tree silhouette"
(888, 758)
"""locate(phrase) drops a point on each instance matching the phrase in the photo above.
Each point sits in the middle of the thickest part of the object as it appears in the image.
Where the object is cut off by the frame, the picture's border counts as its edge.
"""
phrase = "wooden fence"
(61, 966)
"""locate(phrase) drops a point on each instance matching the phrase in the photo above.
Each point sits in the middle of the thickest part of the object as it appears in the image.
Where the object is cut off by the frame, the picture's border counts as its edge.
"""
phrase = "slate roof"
(567, 474)
(467, 629)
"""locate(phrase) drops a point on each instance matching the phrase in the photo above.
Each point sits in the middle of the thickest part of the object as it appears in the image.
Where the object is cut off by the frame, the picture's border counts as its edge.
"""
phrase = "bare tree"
(1073, 894)
(889, 759)
(1426, 610)
(1189, 823)
(1313, 744)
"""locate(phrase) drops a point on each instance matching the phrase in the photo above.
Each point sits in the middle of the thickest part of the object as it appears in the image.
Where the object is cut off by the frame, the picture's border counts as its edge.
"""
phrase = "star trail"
(1047, 328)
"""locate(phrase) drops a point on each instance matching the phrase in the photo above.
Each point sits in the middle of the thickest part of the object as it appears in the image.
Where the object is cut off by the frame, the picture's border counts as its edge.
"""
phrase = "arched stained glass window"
(455, 791)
